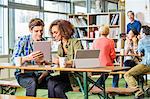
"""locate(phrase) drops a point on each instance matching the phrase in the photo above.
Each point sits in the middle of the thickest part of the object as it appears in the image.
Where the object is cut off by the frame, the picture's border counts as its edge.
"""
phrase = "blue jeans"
(31, 85)
(103, 77)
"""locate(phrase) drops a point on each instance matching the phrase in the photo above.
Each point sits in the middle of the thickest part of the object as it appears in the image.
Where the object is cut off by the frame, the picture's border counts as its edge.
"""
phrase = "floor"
(79, 95)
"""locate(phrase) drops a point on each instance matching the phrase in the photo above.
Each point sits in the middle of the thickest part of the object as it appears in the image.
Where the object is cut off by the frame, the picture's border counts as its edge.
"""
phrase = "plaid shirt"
(23, 47)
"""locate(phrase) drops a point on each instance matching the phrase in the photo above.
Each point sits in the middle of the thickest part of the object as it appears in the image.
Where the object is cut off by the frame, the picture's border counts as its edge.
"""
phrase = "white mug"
(18, 61)
(62, 61)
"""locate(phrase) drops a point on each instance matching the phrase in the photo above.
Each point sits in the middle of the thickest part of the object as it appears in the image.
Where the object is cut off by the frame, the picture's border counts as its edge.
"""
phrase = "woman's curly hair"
(65, 27)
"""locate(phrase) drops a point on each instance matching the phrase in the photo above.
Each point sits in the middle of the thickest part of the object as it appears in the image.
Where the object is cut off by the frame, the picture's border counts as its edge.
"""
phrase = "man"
(31, 80)
(134, 24)
(143, 67)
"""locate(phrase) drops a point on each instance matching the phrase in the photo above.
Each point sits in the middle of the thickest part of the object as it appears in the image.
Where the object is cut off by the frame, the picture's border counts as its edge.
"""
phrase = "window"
(79, 6)
(49, 17)
(1, 29)
(21, 12)
(112, 6)
(22, 18)
(30, 2)
(57, 6)
(4, 2)
(1, 1)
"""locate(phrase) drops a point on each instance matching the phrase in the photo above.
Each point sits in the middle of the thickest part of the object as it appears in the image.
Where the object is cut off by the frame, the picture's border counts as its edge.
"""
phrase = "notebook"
(44, 47)
(86, 59)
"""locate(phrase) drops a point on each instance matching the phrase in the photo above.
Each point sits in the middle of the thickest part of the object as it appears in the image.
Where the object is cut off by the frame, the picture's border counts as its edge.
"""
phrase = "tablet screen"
(44, 47)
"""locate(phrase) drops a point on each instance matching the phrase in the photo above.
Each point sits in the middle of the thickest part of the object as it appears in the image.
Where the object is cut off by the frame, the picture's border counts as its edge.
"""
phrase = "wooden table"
(84, 71)
(2, 96)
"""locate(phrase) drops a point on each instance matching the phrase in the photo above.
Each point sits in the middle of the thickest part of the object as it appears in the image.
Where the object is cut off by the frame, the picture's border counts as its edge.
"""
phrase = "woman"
(143, 67)
(131, 44)
(106, 57)
(31, 80)
(62, 30)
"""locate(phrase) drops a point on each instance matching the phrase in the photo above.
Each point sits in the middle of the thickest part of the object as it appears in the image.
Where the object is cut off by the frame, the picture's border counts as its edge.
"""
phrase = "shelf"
(77, 14)
(94, 26)
(86, 38)
(114, 26)
(87, 25)
(80, 26)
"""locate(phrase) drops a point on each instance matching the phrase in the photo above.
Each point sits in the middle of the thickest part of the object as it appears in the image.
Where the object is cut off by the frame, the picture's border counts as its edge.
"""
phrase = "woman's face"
(131, 35)
(37, 33)
(56, 33)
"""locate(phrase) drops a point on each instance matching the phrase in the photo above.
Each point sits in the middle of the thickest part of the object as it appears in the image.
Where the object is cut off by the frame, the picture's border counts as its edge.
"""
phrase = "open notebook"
(86, 59)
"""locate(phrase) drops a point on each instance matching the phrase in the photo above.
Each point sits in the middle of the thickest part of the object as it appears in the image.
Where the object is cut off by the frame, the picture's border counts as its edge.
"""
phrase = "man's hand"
(34, 56)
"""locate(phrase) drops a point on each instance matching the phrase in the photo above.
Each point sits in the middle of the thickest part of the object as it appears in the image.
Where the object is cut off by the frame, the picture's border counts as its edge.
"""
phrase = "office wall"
(141, 9)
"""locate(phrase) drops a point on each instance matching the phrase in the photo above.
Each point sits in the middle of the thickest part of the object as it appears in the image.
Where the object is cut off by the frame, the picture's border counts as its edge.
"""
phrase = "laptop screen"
(84, 54)
(86, 59)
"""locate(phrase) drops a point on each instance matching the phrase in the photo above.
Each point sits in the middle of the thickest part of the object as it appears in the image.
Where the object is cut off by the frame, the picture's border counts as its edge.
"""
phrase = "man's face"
(131, 16)
(37, 33)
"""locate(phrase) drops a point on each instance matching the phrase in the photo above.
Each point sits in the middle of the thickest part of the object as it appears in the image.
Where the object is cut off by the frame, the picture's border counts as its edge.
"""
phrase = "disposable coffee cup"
(62, 61)
(122, 51)
(18, 61)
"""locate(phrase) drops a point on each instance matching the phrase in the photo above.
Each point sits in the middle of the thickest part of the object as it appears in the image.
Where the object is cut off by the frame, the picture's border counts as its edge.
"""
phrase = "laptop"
(86, 59)
(44, 47)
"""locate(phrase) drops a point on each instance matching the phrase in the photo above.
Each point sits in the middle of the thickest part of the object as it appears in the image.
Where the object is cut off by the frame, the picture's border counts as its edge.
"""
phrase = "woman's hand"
(135, 40)
(55, 60)
(68, 64)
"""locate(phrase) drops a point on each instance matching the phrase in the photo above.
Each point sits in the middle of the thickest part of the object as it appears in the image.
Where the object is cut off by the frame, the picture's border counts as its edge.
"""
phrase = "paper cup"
(122, 51)
(18, 61)
(62, 61)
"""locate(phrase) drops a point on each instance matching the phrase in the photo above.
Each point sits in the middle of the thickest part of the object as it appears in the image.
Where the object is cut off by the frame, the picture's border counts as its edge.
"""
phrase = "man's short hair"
(146, 29)
(131, 12)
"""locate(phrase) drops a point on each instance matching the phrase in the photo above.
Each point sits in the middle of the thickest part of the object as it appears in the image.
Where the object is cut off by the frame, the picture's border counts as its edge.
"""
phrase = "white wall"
(141, 8)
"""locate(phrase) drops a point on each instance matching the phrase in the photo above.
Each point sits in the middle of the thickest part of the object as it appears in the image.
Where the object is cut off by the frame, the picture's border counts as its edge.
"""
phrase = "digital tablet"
(44, 47)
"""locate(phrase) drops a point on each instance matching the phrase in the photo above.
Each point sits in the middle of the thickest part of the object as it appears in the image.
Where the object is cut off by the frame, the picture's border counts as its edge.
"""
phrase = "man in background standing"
(133, 24)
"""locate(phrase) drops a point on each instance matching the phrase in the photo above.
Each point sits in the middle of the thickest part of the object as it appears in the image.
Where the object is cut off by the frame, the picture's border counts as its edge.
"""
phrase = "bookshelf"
(87, 25)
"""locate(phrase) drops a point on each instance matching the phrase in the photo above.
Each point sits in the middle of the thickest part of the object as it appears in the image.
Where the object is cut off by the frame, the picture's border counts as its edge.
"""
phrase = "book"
(116, 19)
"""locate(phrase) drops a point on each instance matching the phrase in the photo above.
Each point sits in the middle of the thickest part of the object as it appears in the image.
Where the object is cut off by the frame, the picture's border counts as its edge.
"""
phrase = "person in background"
(62, 30)
(121, 41)
(133, 24)
(106, 57)
(131, 45)
(143, 67)
(31, 80)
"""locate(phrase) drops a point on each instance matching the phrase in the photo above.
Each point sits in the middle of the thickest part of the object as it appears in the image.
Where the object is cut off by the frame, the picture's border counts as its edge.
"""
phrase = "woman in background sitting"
(106, 57)
(131, 44)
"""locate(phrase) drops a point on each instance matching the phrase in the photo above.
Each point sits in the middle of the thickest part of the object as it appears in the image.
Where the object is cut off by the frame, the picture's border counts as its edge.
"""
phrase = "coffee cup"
(122, 52)
(18, 61)
(62, 61)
